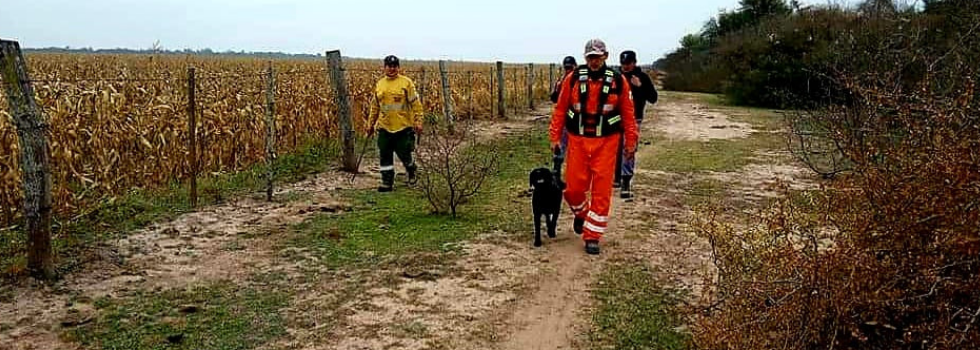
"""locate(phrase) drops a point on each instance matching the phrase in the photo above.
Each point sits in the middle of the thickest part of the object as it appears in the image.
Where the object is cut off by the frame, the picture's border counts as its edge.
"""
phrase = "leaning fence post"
(192, 133)
(501, 105)
(343, 109)
(530, 86)
(270, 131)
(35, 158)
(447, 97)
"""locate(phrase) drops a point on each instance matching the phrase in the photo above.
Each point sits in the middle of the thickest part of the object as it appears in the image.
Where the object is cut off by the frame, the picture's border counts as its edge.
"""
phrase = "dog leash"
(557, 160)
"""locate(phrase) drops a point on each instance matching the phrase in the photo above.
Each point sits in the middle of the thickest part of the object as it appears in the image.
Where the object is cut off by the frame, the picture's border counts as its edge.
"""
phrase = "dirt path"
(555, 312)
(546, 319)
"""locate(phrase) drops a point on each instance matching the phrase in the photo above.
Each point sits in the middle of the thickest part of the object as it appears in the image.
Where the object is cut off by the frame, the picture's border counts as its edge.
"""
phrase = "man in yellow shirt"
(396, 115)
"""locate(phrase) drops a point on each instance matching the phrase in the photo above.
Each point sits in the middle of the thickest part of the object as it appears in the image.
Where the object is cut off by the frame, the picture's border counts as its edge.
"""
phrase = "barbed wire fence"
(204, 122)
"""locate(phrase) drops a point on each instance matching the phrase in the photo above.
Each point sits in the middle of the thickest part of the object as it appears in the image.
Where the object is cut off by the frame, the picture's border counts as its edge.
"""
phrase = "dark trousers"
(400, 143)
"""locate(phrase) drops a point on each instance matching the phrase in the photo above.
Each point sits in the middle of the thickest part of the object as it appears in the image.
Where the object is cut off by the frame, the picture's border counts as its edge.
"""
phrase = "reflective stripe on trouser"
(627, 166)
(591, 163)
(401, 143)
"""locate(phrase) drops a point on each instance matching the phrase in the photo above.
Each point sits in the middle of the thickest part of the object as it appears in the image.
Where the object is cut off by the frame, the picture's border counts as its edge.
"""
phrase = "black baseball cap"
(569, 61)
(627, 56)
(391, 61)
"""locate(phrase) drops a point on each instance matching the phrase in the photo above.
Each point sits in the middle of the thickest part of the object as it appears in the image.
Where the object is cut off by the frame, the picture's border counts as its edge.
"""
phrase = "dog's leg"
(537, 229)
(553, 225)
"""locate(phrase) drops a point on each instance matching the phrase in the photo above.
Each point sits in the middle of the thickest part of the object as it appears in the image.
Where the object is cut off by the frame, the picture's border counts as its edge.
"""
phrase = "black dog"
(546, 198)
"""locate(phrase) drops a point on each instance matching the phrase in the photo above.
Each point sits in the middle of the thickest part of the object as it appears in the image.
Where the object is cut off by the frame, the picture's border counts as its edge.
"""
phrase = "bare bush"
(902, 271)
(454, 166)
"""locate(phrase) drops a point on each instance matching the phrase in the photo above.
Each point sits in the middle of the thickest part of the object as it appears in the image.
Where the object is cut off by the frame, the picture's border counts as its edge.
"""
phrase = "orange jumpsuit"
(591, 159)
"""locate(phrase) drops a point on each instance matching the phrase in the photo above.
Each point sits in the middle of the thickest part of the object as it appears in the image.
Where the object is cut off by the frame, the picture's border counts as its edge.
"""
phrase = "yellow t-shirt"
(396, 105)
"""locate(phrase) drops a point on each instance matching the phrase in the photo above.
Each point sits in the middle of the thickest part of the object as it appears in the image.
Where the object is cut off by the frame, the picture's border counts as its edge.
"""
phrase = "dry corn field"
(118, 123)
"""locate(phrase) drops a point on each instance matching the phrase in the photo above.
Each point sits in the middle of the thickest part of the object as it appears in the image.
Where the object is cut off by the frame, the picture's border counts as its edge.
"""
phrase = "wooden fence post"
(35, 158)
(192, 132)
(501, 104)
(551, 78)
(270, 132)
(447, 96)
(343, 109)
(422, 89)
(530, 86)
(493, 106)
(516, 96)
(469, 94)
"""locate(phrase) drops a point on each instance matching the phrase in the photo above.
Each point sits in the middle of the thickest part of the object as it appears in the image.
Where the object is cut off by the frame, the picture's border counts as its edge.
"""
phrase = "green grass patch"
(383, 225)
(635, 311)
(214, 317)
(712, 155)
(704, 190)
(140, 208)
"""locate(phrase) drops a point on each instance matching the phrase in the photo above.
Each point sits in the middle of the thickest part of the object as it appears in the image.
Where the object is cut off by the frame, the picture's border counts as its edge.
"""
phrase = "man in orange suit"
(595, 106)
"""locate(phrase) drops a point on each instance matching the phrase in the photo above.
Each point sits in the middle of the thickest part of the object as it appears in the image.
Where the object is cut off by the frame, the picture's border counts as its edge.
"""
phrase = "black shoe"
(625, 191)
(384, 188)
(592, 247)
(412, 177)
(578, 225)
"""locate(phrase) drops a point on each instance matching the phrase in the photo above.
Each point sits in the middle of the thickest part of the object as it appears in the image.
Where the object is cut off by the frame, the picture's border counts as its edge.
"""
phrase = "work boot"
(578, 225)
(412, 175)
(387, 181)
(592, 247)
(625, 191)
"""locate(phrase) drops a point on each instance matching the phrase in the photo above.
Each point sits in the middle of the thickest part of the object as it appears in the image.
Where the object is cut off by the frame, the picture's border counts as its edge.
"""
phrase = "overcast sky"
(508, 30)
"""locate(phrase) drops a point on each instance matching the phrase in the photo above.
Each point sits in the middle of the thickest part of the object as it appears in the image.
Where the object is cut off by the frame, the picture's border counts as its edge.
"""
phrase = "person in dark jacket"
(643, 91)
(569, 65)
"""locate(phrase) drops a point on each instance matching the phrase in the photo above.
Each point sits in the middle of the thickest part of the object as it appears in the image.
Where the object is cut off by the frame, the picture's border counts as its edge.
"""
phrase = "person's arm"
(627, 111)
(416, 103)
(560, 113)
(651, 90)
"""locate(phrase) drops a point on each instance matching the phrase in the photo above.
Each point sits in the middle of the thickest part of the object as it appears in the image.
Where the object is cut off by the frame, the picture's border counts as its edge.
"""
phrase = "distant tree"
(878, 8)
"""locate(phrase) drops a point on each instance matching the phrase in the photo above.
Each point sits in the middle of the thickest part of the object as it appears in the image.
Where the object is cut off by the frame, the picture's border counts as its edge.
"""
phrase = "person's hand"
(418, 128)
(630, 154)
(635, 81)
(556, 148)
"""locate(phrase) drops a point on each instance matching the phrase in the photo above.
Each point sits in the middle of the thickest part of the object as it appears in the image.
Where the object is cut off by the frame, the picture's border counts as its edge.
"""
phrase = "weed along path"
(335, 265)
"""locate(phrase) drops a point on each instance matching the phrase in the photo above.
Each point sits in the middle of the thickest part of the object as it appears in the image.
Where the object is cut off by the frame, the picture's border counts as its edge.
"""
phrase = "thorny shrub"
(454, 165)
(886, 256)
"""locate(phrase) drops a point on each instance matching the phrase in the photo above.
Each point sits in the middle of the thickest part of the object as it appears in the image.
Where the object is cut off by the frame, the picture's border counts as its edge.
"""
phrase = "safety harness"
(607, 121)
